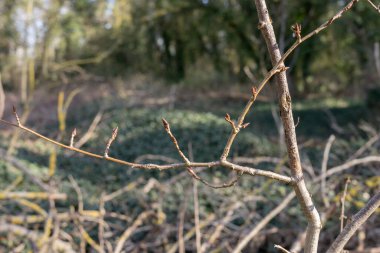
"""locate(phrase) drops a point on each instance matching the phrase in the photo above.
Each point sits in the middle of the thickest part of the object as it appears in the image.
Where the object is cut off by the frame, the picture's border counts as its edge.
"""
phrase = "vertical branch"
(259, 226)
(342, 201)
(196, 216)
(2, 99)
(303, 195)
(324, 169)
(198, 236)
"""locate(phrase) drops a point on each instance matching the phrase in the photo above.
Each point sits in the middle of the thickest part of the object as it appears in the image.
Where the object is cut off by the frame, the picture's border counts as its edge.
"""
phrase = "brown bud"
(166, 124)
(296, 28)
(254, 91)
(227, 117)
(114, 132)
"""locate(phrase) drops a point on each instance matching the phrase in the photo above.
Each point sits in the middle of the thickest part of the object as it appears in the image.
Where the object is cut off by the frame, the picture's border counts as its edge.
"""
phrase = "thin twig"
(90, 130)
(282, 249)
(112, 138)
(350, 164)
(128, 232)
(357, 220)
(149, 166)
(324, 169)
(342, 201)
(374, 6)
(182, 212)
(219, 228)
(58, 245)
(366, 146)
(24, 169)
(263, 222)
(32, 195)
(198, 238)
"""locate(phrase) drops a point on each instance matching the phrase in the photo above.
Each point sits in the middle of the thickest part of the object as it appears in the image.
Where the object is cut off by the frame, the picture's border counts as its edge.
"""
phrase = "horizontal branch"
(151, 166)
(32, 195)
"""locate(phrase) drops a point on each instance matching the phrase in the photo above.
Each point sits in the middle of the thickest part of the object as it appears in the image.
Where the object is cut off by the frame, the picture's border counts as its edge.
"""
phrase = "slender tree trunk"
(303, 195)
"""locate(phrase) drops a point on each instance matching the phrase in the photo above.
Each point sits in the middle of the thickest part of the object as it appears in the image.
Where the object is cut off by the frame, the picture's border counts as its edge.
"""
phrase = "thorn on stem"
(113, 137)
(16, 115)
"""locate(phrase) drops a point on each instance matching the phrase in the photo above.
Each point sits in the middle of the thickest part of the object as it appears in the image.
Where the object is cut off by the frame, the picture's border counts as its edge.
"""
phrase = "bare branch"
(58, 245)
(128, 232)
(263, 222)
(357, 220)
(32, 195)
(90, 130)
(113, 137)
(16, 116)
(374, 6)
(342, 201)
(282, 249)
(198, 235)
(2, 99)
(174, 140)
(224, 185)
(350, 164)
(149, 166)
(73, 134)
(324, 168)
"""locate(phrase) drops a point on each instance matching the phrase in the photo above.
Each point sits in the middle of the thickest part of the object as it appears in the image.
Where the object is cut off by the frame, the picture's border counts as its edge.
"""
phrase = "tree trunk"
(303, 195)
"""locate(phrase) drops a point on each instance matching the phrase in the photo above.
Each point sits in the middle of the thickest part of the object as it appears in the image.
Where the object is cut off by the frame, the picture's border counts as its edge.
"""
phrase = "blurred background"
(97, 64)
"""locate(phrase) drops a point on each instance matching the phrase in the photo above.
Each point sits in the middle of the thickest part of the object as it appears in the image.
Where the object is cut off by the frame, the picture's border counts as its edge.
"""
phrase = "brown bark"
(284, 98)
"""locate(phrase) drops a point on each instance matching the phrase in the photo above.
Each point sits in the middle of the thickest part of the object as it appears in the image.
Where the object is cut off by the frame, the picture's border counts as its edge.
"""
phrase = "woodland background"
(96, 64)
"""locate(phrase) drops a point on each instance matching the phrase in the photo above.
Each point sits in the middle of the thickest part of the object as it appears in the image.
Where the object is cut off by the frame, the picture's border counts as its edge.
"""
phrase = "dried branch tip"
(296, 28)
(245, 125)
(166, 125)
(113, 137)
(16, 115)
(73, 134)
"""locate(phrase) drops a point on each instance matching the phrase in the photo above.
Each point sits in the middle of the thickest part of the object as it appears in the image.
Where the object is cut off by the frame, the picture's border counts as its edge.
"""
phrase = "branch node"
(113, 137)
(296, 28)
(232, 123)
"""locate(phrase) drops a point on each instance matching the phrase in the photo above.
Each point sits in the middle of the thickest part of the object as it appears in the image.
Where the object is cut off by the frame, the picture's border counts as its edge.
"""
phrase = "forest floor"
(197, 120)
